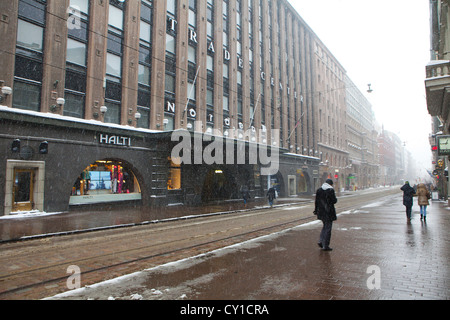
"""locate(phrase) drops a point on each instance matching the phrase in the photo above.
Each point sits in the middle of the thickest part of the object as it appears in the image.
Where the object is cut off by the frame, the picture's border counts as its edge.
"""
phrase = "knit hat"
(329, 181)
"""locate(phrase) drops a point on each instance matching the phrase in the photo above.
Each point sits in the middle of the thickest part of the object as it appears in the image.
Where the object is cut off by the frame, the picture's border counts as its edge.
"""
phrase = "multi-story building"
(386, 149)
(331, 113)
(96, 96)
(361, 140)
(437, 80)
(437, 84)
(392, 159)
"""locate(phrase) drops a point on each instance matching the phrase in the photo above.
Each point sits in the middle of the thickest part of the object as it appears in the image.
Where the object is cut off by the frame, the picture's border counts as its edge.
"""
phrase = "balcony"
(437, 85)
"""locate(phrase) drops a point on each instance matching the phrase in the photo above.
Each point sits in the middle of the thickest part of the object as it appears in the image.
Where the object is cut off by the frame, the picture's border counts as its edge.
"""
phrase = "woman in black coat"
(408, 194)
(325, 211)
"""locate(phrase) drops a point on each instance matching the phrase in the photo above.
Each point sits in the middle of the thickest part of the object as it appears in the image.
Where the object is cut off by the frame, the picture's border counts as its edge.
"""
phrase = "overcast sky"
(384, 43)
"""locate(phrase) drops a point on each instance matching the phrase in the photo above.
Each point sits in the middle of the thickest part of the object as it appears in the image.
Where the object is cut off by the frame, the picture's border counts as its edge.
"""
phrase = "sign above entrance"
(115, 140)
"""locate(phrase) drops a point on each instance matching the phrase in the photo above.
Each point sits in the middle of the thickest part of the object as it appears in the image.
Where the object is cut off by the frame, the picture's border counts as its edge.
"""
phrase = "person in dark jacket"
(408, 194)
(245, 194)
(271, 195)
(325, 211)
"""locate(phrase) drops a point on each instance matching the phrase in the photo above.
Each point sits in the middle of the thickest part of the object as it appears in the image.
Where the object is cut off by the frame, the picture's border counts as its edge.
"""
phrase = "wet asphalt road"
(377, 254)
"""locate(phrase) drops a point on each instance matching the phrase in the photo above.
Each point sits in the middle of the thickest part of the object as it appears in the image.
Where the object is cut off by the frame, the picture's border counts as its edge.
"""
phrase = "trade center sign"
(443, 143)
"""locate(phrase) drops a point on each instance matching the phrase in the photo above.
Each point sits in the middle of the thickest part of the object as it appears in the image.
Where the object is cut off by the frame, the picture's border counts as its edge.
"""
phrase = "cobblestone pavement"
(377, 254)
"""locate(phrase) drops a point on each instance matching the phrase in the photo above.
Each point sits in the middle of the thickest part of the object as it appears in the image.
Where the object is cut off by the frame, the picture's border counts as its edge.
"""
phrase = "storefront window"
(104, 181)
(174, 179)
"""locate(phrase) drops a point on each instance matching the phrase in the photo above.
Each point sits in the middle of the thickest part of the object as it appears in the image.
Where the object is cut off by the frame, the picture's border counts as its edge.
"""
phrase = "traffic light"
(336, 176)
(15, 147)
(43, 147)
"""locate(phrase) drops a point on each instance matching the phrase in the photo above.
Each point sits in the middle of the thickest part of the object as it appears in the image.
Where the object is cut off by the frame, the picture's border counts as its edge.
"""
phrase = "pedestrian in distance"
(423, 195)
(408, 194)
(325, 211)
(245, 194)
(271, 195)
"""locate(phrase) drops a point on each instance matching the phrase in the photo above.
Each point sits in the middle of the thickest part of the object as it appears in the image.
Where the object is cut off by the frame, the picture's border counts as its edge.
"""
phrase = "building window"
(76, 52)
(192, 79)
(144, 69)
(113, 65)
(172, 7)
(30, 36)
(193, 13)
(170, 67)
(74, 104)
(113, 113)
(170, 44)
(26, 95)
(170, 83)
(29, 55)
(105, 181)
(115, 17)
(113, 96)
(76, 55)
(174, 177)
(168, 121)
(210, 19)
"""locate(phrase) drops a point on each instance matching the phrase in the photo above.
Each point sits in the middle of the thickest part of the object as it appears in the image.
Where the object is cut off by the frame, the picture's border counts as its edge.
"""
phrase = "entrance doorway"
(218, 185)
(24, 186)
(292, 185)
(23, 189)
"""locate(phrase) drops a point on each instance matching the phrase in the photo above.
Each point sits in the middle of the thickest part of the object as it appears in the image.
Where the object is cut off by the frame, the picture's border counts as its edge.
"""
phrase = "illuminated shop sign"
(115, 140)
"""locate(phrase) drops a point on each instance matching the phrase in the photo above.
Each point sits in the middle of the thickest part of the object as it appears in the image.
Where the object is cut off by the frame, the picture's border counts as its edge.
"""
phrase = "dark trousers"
(325, 234)
(408, 211)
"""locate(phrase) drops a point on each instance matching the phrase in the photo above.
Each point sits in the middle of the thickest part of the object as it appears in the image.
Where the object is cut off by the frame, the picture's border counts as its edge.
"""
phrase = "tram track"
(105, 256)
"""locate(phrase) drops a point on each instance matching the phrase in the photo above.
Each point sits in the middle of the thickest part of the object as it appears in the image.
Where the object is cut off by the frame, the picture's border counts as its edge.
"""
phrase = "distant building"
(331, 117)
(362, 144)
(392, 159)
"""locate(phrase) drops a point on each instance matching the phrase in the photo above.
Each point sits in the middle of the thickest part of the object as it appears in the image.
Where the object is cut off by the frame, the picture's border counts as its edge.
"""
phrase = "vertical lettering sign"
(192, 36)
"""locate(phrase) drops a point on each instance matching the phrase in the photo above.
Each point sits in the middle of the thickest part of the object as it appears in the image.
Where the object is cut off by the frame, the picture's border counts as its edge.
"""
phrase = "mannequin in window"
(119, 179)
(114, 176)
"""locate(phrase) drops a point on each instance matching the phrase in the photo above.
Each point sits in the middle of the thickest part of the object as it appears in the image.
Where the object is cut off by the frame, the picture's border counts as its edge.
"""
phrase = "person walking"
(271, 195)
(423, 195)
(325, 211)
(245, 194)
(408, 194)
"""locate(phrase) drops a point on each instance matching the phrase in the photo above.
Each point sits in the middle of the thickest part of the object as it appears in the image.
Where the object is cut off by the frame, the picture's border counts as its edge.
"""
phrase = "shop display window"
(106, 180)
(174, 178)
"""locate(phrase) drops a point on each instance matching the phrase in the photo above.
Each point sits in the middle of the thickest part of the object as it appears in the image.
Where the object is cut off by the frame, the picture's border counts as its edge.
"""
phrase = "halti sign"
(115, 140)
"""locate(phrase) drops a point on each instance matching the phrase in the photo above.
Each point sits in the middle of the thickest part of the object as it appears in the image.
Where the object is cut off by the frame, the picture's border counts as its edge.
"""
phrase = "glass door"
(23, 189)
